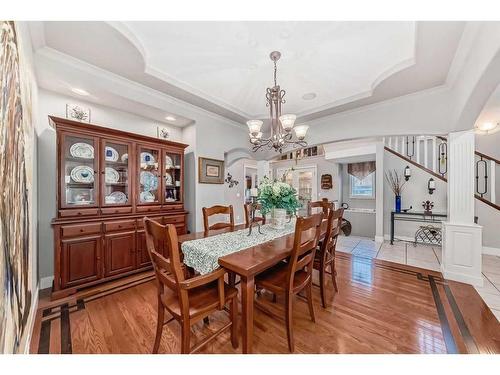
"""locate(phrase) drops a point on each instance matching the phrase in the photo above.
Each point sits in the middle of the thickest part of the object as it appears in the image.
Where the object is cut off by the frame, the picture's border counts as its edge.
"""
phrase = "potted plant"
(397, 183)
(278, 198)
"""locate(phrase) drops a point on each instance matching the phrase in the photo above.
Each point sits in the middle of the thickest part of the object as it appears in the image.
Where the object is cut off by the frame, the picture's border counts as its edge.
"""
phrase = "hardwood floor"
(381, 307)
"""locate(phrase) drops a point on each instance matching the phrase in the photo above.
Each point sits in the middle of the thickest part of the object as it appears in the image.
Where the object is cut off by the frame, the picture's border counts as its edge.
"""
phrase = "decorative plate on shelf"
(82, 174)
(147, 196)
(168, 162)
(124, 158)
(111, 154)
(147, 158)
(82, 150)
(116, 197)
(112, 175)
(149, 181)
(168, 179)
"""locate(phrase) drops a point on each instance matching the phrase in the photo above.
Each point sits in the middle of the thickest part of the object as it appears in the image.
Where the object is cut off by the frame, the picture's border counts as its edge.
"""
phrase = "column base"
(462, 251)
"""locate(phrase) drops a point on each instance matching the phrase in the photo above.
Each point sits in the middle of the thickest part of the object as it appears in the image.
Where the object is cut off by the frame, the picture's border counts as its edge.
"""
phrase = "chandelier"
(281, 125)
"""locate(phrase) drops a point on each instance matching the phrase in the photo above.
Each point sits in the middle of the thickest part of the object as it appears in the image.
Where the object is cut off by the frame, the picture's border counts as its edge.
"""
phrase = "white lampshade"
(300, 131)
(287, 122)
(254, 126)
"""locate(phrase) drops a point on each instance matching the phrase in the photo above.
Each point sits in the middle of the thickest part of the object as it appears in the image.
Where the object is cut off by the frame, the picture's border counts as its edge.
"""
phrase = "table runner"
(203, 254)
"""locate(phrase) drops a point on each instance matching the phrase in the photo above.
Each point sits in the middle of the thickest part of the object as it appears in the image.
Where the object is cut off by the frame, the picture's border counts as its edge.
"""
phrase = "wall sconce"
(407, 173)
(229, 180)
(431, 185)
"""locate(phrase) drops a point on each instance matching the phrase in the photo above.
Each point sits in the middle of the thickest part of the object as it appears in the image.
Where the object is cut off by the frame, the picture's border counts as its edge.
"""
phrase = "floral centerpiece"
(279, 198)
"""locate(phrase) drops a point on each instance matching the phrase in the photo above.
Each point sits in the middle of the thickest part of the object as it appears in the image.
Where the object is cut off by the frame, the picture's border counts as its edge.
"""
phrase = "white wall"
(414, 193)
(50, 103)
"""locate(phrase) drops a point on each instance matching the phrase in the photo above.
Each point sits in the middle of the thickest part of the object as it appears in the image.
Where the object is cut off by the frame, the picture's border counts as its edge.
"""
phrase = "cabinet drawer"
(140, 223)
(80, 229)
(79, 212)
(148, 208)
(173, 219)
(116, 210)
(173, 207)
(119, 225)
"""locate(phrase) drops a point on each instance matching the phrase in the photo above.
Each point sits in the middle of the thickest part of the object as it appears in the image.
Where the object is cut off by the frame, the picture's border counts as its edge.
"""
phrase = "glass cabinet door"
(79, 171)
(115, 170)
(172, 187)
(149, 175)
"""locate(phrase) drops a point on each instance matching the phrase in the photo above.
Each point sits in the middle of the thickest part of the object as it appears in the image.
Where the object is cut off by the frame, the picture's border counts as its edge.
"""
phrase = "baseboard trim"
(491, 251)
(24, 346)
(475, 281)
(387, 237)
(46, 282)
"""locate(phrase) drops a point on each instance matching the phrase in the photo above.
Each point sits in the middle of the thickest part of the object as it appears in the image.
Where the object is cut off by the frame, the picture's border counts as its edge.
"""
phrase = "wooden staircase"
(430, 154)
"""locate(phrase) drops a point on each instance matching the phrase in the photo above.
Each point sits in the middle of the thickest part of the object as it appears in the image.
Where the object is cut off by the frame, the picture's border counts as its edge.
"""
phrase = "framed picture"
(162, 132)
(210, 171)
(78, 113)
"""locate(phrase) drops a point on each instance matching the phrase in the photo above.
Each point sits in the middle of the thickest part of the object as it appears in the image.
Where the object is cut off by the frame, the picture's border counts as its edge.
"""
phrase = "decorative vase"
(398, 203)
(278, 218)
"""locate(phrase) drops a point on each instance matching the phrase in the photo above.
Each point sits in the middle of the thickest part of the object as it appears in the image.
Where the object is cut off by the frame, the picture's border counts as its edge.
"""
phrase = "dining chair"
(324, 204)
(218, 210)
(248, 214)
(294, 276)
(325, 256)
(188, 300)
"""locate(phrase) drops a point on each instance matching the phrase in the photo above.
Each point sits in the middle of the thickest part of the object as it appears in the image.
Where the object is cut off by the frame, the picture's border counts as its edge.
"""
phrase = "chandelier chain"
(275, 70)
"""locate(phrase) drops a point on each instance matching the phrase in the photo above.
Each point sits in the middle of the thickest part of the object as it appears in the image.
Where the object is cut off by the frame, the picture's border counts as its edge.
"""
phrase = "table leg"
(392, 228)
(247, 297)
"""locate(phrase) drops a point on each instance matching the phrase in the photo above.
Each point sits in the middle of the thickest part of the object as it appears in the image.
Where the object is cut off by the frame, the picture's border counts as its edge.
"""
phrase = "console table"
(417, 216)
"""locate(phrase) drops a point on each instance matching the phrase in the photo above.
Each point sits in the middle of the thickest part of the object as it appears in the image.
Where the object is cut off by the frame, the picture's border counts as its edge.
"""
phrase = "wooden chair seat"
(201, 300)
(274, 279)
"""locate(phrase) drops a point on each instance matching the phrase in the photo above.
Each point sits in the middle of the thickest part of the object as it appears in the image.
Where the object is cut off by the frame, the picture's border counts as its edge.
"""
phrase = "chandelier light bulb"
(254, 126)
(300, 131)
(287, 122)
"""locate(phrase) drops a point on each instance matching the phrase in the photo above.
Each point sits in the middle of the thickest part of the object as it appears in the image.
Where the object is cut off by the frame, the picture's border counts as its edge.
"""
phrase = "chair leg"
(289, 321)
(334, 276)
(322, 286)
(310, 301)
(186, 336)
(234, 320)
(159, 326)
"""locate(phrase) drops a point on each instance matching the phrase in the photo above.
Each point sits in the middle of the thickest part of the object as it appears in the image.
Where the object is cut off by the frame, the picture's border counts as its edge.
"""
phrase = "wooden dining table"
(248, 263)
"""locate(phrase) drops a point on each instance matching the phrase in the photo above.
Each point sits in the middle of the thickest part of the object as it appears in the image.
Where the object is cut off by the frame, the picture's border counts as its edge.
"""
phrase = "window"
(364, 188)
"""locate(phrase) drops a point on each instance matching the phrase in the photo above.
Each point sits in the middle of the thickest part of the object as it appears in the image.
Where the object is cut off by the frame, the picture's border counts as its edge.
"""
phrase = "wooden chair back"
(323, 204)
(304, 246)
(337, 216)
(169, 271)
(248, 214)
(218, 210)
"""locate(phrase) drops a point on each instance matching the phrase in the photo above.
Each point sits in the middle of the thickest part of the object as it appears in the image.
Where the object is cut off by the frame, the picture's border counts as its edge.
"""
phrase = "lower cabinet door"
(119, 253)
(81, 260)
(143, 259)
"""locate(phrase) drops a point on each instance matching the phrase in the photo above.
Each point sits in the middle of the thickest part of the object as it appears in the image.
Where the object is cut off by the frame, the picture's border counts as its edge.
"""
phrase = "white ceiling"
(224, 67)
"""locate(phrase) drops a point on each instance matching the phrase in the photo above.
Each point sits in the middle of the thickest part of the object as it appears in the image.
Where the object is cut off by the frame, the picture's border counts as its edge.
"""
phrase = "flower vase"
(278, 218)
(398, 203)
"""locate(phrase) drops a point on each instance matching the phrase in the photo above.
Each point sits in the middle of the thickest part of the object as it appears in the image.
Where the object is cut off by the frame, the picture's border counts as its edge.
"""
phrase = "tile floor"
(427, 257)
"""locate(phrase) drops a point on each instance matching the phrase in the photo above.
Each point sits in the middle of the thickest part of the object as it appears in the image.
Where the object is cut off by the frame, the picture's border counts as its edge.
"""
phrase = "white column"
(396, 148)
(403, 146)
(492, 178)
(390, 143)
(462, 239)
(434, 154)
(379, 193)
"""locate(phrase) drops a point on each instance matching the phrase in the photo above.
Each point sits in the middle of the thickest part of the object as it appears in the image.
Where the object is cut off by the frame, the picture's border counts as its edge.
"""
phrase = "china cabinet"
(107, 182)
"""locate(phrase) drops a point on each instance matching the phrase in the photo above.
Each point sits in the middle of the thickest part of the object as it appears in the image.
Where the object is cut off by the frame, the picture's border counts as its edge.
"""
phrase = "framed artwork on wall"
(210, 171)
(78, 113)
(162, 132)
